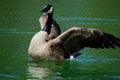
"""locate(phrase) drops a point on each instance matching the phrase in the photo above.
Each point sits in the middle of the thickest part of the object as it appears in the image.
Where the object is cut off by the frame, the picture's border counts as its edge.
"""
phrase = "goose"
(55, 28)
(69, 42)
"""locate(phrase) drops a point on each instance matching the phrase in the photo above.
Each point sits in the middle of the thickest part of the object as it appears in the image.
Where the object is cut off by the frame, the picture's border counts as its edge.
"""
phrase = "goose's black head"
(47, 9)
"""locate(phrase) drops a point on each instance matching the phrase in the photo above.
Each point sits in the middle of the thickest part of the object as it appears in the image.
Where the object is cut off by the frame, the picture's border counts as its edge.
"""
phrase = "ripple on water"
(13, 31)
(92, 59)
(22, 32)
(8, 76)
(86, 18)
(111, 76)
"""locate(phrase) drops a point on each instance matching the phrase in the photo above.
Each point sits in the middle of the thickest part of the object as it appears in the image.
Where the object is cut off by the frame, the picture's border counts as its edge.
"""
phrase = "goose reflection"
(37, 72)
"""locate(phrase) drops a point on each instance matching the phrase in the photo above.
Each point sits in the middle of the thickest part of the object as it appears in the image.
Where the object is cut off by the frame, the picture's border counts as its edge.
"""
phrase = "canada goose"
(69, 42)
(55, 28)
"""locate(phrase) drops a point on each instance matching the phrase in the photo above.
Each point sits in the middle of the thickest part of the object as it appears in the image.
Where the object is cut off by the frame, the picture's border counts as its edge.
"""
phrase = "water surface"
(19, 22)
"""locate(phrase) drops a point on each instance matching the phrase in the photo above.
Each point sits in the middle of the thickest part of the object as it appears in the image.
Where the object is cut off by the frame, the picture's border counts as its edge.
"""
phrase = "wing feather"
(76, 39)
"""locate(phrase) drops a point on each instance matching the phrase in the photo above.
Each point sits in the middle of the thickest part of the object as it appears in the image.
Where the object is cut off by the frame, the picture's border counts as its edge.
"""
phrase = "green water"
(19, 22)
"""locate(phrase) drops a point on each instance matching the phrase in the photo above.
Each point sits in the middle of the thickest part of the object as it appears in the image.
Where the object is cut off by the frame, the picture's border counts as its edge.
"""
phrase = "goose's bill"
(43, 10)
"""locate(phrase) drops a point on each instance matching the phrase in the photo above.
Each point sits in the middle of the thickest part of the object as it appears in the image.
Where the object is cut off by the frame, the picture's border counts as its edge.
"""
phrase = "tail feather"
(76, 54)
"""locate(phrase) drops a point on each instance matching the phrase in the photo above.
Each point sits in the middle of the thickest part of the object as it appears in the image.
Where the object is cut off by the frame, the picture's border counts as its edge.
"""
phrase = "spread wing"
(76, 39)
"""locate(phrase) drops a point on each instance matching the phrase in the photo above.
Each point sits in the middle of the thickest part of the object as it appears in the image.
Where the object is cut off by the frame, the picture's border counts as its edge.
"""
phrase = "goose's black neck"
(48, 24)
